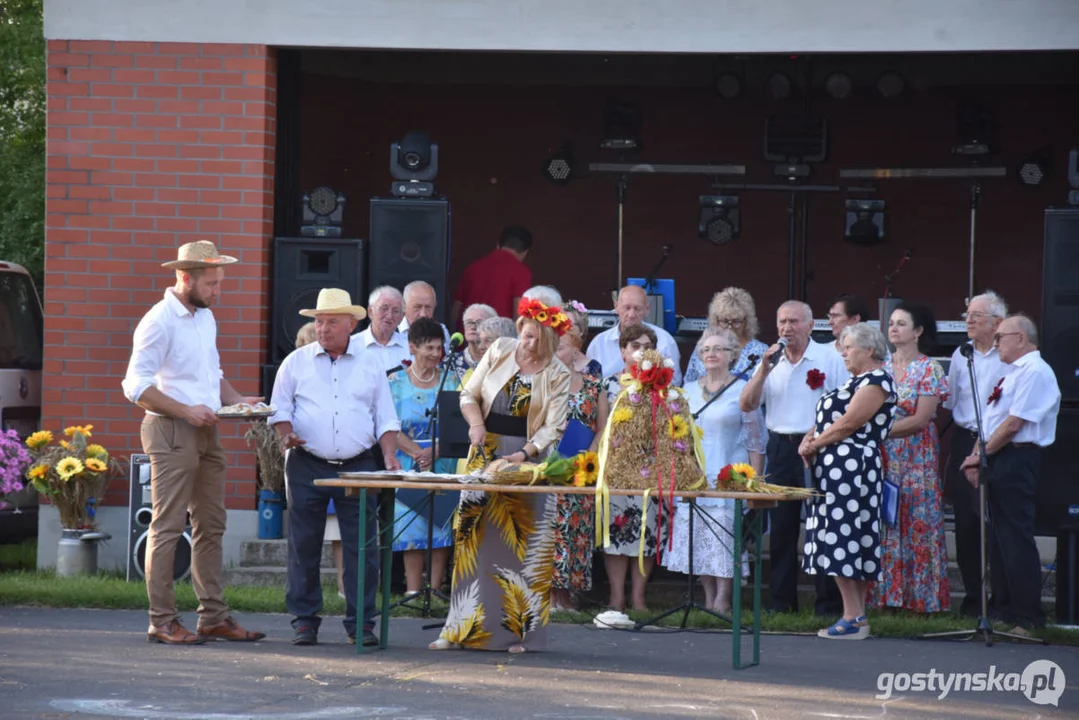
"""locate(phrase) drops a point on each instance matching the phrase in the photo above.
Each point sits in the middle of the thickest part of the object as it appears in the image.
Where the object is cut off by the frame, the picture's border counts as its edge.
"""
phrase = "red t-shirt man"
(498, 279)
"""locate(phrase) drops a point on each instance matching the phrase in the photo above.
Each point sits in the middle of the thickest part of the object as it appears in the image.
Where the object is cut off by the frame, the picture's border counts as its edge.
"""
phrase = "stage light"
(321, 212)
(865, 222)
(558, 168)
(839, 85)
(414, 164)
(1035, 168)
(728, 85)
(890, 85)
(621, 127)
(719, 219)
(779, 86)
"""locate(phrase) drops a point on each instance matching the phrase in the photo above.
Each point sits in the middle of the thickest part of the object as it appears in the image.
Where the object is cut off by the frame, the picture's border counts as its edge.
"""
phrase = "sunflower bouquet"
(72, 473)
(579, 470)
(741, 477)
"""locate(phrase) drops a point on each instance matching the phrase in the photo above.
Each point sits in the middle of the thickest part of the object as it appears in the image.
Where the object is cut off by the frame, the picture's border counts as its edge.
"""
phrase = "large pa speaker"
(139, 513)
(302, 267)
(1060, 299)
(410, 240)
(1067, 569)
(1056, 497)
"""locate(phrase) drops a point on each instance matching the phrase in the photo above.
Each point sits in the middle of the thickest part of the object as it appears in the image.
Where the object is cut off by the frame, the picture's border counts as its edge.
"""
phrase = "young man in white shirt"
(175, 375)
(1020, 420)
(632, 308)
(789, 390)
(334, 413)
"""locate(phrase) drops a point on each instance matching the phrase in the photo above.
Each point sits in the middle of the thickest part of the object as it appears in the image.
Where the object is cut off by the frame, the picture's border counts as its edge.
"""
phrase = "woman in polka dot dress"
(843, 450)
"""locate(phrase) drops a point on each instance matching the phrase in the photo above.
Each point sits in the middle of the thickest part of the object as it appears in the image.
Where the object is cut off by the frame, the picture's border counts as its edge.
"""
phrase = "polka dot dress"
(843, 525)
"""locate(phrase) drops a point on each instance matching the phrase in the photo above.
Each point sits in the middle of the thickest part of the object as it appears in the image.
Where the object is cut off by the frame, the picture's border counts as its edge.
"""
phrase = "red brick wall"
(151, 145)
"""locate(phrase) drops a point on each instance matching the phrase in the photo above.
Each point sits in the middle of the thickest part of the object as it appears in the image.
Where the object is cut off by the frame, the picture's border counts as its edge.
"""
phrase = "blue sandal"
(856, 629)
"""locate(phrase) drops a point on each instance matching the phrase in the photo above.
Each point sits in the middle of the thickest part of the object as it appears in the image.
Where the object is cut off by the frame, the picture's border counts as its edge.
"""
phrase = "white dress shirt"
(339, 407)
(175, 350)
(790, 404)
(988, 369)
(389, 355)
(1029, 392)
(604, 349)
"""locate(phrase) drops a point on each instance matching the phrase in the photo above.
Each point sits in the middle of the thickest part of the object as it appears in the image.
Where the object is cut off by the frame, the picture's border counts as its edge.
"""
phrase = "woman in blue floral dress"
(914, 561)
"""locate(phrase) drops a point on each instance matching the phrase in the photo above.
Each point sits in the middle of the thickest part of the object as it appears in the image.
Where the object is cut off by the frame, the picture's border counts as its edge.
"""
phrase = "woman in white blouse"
(730, 436)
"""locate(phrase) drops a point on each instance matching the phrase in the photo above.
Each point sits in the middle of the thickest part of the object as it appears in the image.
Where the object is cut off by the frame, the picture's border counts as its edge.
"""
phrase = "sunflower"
(587, 468)
(745, 470)
(68, 468)
(96, 451)
(38, 472)
(541, 317)
(65, 444)
(95, 465)
(39, 440)
(677, 427)
(84, 429)
(621, 415)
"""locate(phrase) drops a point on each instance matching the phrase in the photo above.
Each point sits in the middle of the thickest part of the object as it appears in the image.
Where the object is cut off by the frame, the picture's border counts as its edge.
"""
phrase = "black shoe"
(305, 635)
(369, 639)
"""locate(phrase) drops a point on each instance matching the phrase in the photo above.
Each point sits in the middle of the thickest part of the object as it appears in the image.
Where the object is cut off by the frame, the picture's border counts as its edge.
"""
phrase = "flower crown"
(552, 316)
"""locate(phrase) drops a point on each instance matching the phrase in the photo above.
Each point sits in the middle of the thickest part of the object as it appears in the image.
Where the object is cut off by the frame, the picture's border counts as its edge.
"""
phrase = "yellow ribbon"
(603, 495)
(644, 518)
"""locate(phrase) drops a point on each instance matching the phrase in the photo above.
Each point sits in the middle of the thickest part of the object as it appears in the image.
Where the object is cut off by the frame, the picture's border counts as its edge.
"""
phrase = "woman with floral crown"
(516, 404)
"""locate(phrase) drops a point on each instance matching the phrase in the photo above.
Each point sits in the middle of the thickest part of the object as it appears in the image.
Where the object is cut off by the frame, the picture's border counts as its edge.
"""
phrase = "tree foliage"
(22, 134)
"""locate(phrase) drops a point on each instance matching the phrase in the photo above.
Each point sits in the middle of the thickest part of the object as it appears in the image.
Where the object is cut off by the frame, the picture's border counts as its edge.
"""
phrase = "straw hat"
(198, 254)
(332, 301)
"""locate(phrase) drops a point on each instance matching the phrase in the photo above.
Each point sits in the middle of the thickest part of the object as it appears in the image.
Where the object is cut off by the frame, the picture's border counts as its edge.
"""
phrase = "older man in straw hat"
(333, 408)
(175, 375)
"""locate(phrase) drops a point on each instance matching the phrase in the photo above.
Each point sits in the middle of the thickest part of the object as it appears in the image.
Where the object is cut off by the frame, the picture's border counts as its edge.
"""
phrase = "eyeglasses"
(998, 336)
(708, 349)
(730, 322)
(837, 316)
(472, 323)
(978, 315)
(638, 345)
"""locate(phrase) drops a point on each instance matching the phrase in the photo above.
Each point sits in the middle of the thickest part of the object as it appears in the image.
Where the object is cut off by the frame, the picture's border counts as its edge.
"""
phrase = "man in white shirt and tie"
(984, 315)
(789, 392)
(175, 375)
(334, 414)
(632, 308)
(1020, 420)
(381, 340)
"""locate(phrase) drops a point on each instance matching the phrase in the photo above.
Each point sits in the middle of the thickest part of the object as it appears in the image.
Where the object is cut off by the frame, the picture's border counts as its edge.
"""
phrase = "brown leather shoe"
(229, 630)
(173, 633)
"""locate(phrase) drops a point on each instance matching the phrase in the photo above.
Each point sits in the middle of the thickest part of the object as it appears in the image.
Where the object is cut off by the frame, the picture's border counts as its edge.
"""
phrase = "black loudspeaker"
(302, 267)
(1060, 299)
(410, 240)
(1056, 497)
(139, 513)
(1067, 568)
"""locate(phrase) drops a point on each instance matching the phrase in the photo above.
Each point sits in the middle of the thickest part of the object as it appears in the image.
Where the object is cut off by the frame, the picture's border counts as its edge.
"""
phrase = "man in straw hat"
(334, 414)
(175, 374)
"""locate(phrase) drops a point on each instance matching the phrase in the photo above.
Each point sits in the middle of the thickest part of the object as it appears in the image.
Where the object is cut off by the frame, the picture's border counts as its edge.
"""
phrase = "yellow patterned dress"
(504, 555)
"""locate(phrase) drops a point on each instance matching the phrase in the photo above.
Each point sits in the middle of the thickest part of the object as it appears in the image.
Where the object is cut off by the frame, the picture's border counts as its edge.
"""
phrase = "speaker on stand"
(140, 513)
(410, 240)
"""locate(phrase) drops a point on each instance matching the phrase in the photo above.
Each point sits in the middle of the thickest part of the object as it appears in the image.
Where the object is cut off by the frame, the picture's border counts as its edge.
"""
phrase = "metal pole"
(621, 193)
(975, 193)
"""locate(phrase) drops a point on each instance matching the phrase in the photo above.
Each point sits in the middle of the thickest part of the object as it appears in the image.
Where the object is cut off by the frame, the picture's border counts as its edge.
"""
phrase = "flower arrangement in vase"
(72, 473)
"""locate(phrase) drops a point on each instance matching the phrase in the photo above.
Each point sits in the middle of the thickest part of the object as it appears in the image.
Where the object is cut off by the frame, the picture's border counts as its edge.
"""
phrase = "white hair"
(994, 303)
(388, 291)
(806, 310)
(545, 294)
(868, 337)
(1026, 326)
(500, 327)
(418, 285)
(487, 310)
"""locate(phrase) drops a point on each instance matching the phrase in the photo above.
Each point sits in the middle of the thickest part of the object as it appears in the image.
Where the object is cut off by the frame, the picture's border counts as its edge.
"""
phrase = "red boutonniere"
(406, 363)
(995, 395)
(815, 379)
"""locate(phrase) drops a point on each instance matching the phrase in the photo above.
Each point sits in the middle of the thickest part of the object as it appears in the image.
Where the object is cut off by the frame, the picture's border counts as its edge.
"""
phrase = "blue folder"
(576, 439)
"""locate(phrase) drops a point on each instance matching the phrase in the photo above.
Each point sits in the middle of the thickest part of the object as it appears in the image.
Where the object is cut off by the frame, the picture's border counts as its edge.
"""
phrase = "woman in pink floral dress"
(914, 562)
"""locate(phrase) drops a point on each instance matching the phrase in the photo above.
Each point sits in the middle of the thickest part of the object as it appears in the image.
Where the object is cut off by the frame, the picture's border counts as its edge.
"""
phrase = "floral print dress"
(914, 560)
(575, 515)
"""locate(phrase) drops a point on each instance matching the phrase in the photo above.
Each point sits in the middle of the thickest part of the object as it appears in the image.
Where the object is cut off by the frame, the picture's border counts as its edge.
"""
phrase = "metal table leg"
(736, 604)
(386, 547)
(361, 575)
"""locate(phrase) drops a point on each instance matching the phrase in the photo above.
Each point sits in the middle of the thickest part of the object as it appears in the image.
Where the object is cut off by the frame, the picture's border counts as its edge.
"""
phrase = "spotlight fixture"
(558, 168)
(839, 85)
(719, 220)
(890, 84)
(321, 213)
(414, 162)
(621, 127)
(779, 86)
(728, 85)
(865, 222)
(1034, 169)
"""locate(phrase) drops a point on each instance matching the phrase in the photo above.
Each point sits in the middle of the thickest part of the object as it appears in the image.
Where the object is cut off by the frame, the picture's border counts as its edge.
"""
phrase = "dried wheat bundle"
(268, 452)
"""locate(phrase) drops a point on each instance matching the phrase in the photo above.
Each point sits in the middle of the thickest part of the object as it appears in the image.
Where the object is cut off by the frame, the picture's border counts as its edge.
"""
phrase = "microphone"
(457, 341)
(774, 360)
(966, 350)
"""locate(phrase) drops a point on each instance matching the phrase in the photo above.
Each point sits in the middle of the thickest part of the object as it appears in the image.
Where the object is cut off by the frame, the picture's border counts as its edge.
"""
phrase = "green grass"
(111, 591)
(18, 556)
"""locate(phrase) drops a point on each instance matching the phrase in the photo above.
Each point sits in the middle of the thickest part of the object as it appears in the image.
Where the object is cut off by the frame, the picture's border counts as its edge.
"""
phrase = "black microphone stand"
(985, 627)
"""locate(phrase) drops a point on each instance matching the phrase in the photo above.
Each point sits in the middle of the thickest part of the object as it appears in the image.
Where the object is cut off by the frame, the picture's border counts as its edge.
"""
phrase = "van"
(21, 361)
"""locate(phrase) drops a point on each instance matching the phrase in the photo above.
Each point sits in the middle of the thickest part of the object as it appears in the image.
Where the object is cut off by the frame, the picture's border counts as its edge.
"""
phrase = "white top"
(175, 350)
(729, 434)
(339, 407)
(790, 404)
(405, 324)
(604, 348)
(1029, 392)
(389, 355)
(988, 369)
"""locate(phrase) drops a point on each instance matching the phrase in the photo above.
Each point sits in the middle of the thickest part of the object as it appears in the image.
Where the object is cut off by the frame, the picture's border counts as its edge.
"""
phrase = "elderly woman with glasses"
(730, 436)
(465, 359)
(732, 309)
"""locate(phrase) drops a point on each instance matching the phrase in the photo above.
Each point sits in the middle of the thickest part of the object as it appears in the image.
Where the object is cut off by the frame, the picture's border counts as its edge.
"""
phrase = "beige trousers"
(187, 466)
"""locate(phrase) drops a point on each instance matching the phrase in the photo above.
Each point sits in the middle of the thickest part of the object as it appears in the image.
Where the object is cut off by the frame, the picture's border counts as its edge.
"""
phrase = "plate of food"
(246, 410)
